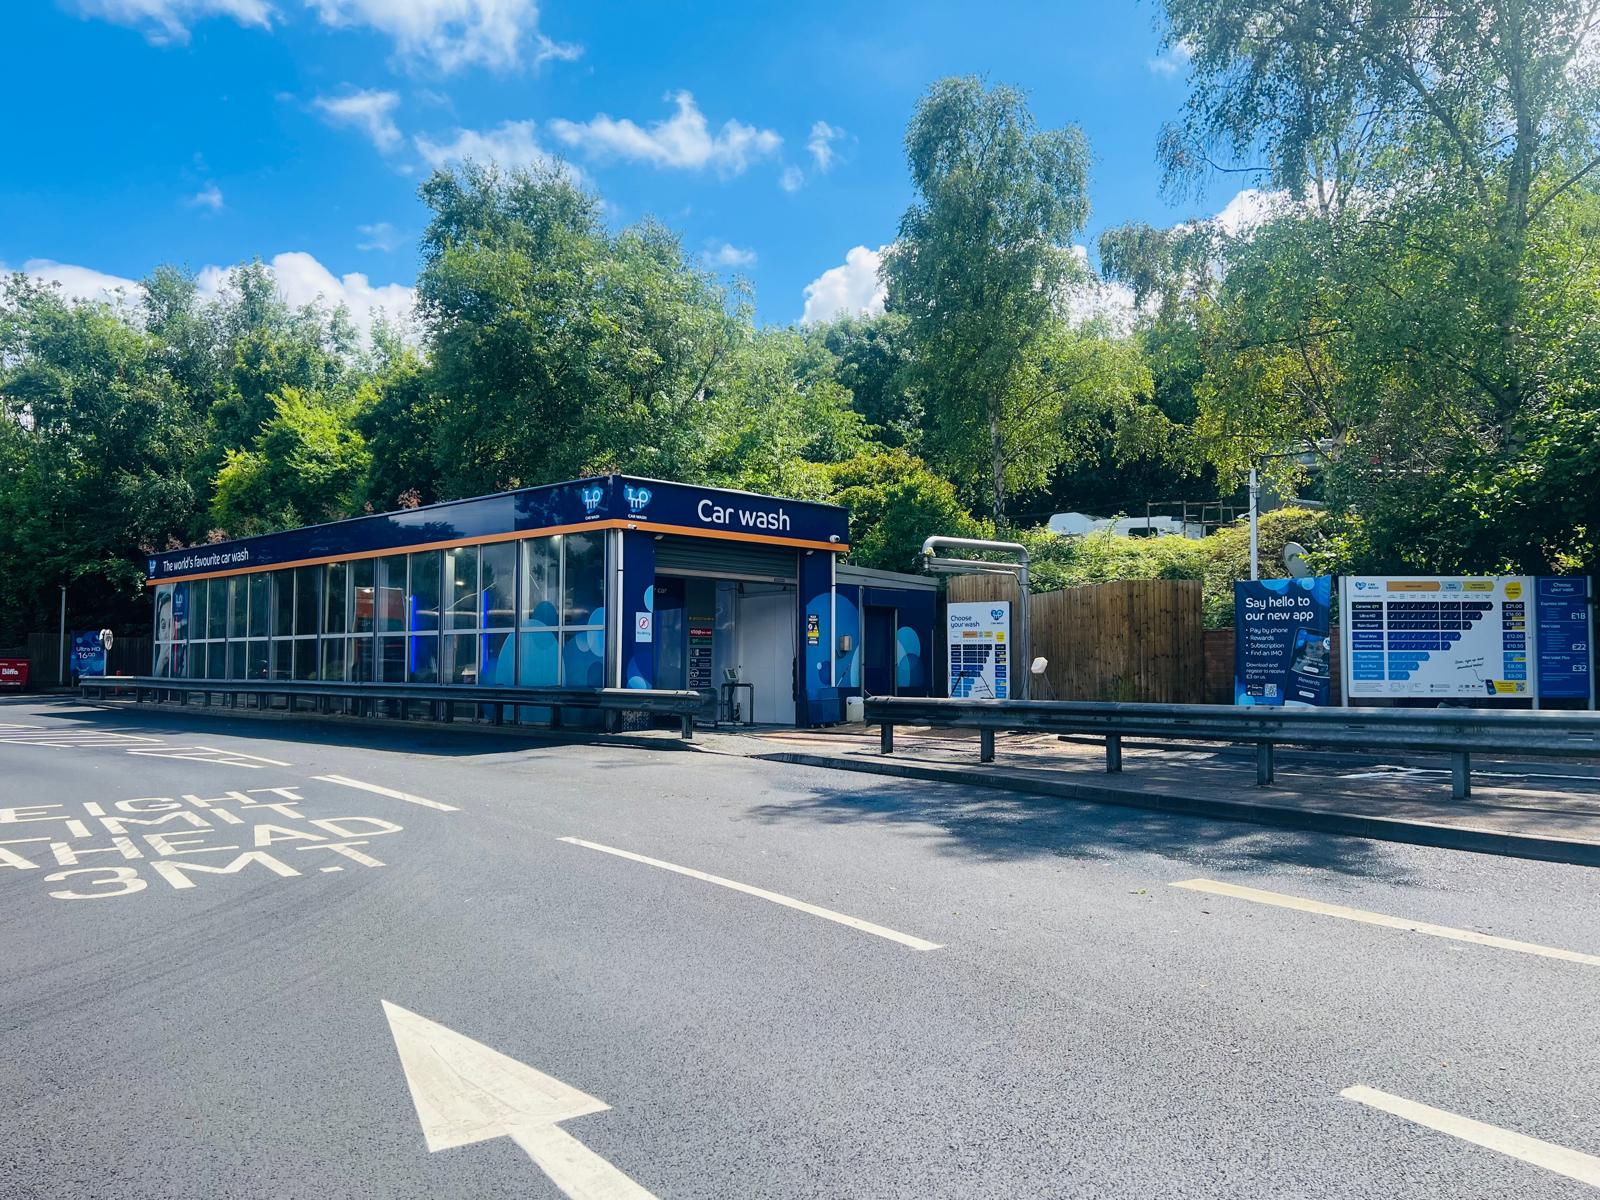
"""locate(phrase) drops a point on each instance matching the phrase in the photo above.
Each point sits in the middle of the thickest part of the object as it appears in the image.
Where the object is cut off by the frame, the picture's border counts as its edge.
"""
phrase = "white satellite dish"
(1294, 558)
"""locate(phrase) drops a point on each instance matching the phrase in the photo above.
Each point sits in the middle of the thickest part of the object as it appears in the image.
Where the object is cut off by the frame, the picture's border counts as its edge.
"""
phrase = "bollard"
(886, 738)
(986, 745)
(1460, 775)
(1264, 772)
(1113, 753)
(688, 727)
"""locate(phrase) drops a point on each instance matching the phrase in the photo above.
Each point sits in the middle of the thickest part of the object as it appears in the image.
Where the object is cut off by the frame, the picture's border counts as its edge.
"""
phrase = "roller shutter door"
(718, 559)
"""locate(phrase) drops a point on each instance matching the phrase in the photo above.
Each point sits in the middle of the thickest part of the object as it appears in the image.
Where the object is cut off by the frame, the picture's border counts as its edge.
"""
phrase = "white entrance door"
(766, 638)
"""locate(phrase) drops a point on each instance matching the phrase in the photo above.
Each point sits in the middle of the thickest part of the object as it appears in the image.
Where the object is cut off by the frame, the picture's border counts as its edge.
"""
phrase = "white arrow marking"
(465, 1092)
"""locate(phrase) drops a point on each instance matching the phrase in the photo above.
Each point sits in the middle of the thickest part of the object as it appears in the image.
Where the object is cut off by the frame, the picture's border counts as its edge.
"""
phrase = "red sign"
(13, 672)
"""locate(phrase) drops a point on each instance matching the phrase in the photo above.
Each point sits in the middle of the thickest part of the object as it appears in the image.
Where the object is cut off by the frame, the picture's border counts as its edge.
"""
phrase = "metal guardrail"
(442, 697)
(1457, 732)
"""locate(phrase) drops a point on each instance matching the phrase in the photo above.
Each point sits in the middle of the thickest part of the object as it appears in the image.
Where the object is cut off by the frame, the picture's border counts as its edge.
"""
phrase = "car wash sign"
(978, 638)
(1438, 637)
(1282, 654)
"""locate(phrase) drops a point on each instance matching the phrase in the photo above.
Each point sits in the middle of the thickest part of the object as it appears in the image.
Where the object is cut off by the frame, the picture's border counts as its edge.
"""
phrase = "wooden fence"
(1133, 640)
(129, 656)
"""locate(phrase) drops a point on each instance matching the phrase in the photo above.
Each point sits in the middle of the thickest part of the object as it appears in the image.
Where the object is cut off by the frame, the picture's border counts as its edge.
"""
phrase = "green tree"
(895, 501)
(979, 270)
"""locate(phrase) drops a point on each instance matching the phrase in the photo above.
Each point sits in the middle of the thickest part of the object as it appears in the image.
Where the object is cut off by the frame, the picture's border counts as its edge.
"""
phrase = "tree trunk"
(997, 465)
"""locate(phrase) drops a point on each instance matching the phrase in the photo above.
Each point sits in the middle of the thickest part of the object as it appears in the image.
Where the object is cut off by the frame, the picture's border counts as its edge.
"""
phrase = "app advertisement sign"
(1282, 652)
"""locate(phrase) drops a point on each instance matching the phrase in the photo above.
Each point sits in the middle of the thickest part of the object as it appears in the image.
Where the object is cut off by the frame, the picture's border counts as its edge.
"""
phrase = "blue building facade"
(605, 582)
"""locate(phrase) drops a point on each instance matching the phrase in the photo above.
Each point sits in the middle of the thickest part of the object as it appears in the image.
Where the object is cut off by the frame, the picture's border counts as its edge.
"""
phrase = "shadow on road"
(1003, 826)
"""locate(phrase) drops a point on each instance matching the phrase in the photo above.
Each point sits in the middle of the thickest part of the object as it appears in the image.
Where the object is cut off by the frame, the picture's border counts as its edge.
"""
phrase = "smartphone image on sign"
(1310, 666)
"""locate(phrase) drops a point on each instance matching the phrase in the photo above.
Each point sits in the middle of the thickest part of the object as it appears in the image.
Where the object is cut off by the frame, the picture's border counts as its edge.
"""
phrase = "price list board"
(702, 634)
(1566, 661)
(1437, 637)
(978, 649)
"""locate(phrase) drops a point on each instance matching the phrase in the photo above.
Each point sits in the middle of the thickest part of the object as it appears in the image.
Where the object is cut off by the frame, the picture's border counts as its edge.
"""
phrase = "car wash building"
(604, 582)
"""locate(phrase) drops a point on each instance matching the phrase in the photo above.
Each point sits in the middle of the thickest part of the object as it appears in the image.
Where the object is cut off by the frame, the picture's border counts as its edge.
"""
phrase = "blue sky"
(204, 132)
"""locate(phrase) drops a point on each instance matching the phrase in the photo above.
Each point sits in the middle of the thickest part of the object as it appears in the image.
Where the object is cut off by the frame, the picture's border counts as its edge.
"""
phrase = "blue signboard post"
(1564, 638)
(88, 653)
(1282, 653)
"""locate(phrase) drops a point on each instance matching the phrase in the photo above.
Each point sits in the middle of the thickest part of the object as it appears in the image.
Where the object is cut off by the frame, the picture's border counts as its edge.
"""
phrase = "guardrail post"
(985, 745)
(1113, 753)
(1460, 775)
(1264, 772)
(688, 727)
(886, 738)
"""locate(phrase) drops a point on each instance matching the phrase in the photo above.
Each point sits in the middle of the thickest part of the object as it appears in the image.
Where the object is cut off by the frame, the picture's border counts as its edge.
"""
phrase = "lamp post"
(1255, 556)
(61, 647)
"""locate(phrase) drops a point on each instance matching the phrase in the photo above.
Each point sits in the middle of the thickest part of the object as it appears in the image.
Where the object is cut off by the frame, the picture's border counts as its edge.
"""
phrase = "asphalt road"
(1084, 1028)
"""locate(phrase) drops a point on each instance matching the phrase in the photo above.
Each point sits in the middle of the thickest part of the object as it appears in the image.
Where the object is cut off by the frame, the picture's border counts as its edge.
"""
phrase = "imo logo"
(592, 497)
(152, 569)
(997, 614)
(638, 498)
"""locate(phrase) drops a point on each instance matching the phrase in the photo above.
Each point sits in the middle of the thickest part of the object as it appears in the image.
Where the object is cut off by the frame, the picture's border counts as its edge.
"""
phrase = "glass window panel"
(335, 604)
(358, 659)
(422, 658)
(217, 609)
(282, 604)
(260, 603)
(422, 612)
(538, 660)
(461, 587)
(391, 585)
(163, 663)
(498, 666)
(361, 596)
(305, 658)
(333, 658)
(197, 661)
(541, 582)
(236, 660)
(392, 660)
(256, 659)
(461, 658)
(585, 587)
(164, 613)
(307, 599)
(217, 660)
(195, 626)
(180, 612)
(498, 608)
(180, 660)
(583, 659)
(238, 603)
(283, 659)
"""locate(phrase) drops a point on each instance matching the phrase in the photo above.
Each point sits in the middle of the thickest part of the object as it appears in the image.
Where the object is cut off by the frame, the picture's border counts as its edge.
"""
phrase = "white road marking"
(827, 914)
(1574, 1164)
(211, 754)
(389, 792)
(464, 1092)
(1281, 900)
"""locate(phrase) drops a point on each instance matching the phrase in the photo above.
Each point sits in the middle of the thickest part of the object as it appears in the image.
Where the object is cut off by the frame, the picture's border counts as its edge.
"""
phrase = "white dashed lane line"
(1300, 904)
(827, 914)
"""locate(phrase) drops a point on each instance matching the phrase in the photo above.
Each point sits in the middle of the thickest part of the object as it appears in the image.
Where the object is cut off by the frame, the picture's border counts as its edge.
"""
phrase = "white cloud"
(682, 141)
(1250, 208)
(209, 196)
(301, 280)
(820, 143)
(729, 255)
(510, 145)
(450, 34)
(848, 289)
(1171, 61)
(369, 111)
(82, 283)
(792, 179)
(1094, 299)
(165, 21)
(445, 34)
(380, 236)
